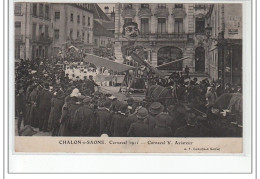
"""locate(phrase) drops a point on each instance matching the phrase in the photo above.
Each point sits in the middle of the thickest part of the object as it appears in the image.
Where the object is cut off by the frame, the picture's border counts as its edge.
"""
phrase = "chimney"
(106, 9)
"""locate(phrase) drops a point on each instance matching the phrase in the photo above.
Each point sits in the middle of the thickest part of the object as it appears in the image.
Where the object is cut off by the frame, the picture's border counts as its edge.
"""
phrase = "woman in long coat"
(56, 108)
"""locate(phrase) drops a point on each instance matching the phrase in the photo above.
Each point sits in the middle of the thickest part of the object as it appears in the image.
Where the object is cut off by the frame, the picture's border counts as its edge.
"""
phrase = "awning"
(103, 62)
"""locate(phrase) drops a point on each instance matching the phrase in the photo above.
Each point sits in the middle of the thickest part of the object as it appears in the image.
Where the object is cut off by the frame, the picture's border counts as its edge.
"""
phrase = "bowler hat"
(142, 113)
(123, 107)
(156, 108)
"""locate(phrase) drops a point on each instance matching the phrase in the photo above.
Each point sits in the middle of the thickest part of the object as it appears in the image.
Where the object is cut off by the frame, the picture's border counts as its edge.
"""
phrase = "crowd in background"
(46, 99)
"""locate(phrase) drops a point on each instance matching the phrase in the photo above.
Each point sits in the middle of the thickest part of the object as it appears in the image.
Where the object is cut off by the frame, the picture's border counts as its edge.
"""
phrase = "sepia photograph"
(128, 77)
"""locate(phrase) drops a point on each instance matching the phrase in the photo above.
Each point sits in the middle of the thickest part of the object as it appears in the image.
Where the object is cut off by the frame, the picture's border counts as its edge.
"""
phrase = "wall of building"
(225, 42)
(24, 37)
(30, 45)
(65, 25)
(154, 41)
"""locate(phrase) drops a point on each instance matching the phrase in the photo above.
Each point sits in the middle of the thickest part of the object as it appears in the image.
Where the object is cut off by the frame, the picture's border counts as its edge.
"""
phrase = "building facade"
(167, 32)
(104, 27)
(42, 29)
(72, 24)
(224, 26)
(33, 27)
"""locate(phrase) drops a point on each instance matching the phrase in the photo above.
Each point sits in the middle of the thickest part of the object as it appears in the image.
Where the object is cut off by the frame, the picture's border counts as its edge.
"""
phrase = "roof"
(99, 30)
(109, 25)
(98, 13)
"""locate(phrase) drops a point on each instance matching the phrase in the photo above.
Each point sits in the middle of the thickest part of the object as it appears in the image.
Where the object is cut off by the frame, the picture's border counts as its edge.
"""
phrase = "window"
(144, 6)
(144, 26)
(57, 15)
(128, 20)
(34, 9)
(83, 36)
(178, 5)
(77, 33)
(17, 9)
(71, 17)
(178, 25)
(40, 30)
(96, 41)
(17, 24)
(83, 20)
(200, 6)
(161, 6)
(88, 38)
(161, 28)
(71, 34)
(56, 33)
(200, 26)
(17, 28)
(34, 31)
(78, 19)
(41, 10)
(47, 14)
(128, 6)
(88, 21)
(46, 31)
(17, 51)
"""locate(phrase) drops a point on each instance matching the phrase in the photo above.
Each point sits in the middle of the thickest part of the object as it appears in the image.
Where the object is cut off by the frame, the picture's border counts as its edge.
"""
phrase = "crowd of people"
(46, 99)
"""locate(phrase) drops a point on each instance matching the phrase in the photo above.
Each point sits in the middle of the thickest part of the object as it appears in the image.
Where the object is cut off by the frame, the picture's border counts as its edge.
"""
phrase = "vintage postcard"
(130, 77)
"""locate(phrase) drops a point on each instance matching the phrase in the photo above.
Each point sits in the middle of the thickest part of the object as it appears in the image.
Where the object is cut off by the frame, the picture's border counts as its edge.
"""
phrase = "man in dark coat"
(191, 129)
(104, 117)
(177, 113)
(56, 108)
(162, 126)
(83, 121)
(139, 128)
(44, 99)
(90, 84)
(32, 100)
(20, 107)
(119, 121)
(154, 109)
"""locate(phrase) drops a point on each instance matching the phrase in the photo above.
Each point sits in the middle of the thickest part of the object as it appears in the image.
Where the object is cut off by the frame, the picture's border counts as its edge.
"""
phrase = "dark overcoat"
(119, 125)
(104, 117)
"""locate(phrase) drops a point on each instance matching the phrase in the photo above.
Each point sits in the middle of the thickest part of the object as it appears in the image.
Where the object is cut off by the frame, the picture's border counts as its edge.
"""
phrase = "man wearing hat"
(162, 126)
(104, 117)
(192, 128)
(119, 125)
(83, 122)
(90, 84)
(57, 102)
(44, 107)
(139, 128)
(154, 109)
(68, 112)
(20, 107)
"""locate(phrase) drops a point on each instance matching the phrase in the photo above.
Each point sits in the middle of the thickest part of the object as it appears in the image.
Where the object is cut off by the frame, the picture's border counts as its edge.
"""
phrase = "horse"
(164, 95)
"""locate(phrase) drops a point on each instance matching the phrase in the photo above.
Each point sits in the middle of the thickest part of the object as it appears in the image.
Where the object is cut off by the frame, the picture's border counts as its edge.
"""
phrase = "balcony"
(165, 36)
(144, 12)
(19, 38)
(179, 13)
(162, 12)
(42, 40)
